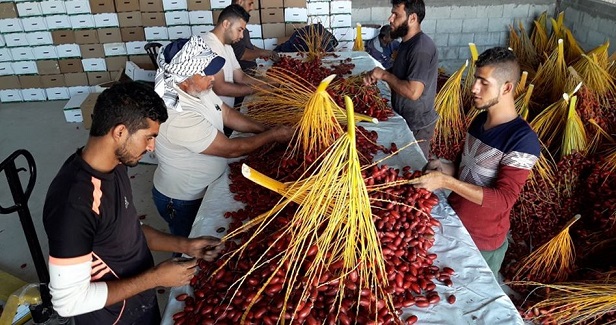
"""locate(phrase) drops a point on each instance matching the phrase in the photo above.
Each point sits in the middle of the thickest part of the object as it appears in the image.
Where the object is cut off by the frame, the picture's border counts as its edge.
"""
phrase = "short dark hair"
(507, 68)
(233, 11)
(384, 31)
(412, 7)
(128, 103)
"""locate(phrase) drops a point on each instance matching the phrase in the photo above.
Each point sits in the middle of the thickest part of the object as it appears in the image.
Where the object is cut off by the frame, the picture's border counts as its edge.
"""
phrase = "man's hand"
(431, 181)
(282, 133)
(274, 56)
(174, 272)
(205, 247)
(373, 76)
(446, 168)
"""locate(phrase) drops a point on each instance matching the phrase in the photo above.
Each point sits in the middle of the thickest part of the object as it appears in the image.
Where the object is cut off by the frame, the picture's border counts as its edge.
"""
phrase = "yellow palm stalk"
(358, 45)
(574, 51)
(553, 261)
(521, 87)
(522, 102)
(450, 127)
(469, 79)
(597, 79)
(524, 49)
(558, 31)
(600, 136)
(539, 35)
(574, 138)
(315, 41)
(551, 75)
(602, 54)
(544, 170)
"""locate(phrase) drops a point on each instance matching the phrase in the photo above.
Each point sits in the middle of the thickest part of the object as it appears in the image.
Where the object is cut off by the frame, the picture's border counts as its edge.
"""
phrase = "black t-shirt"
(417, 60)
(89, 212)
(240, 48)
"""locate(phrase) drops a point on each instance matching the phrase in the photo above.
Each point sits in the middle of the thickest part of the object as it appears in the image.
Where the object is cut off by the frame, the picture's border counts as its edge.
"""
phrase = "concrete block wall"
(453, 25)
(592, 22)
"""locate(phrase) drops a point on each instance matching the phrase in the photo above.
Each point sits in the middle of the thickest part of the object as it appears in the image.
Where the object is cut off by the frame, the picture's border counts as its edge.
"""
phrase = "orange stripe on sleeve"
(96, 195)
(70, 261)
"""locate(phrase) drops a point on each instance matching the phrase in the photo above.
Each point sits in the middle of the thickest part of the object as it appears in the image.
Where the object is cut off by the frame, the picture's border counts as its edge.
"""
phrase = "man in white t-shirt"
(192, 149)
(233, 82)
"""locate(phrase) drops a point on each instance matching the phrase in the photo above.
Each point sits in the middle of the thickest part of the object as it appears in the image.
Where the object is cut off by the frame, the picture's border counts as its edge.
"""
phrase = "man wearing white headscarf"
(191, 148)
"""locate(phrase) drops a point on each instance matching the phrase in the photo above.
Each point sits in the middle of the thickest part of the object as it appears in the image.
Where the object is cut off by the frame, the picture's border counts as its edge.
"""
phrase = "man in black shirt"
(413, 75)
(100, 264)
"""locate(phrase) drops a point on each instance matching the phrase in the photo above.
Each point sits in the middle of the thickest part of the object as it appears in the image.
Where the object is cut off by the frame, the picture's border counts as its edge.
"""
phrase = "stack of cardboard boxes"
(56, 49)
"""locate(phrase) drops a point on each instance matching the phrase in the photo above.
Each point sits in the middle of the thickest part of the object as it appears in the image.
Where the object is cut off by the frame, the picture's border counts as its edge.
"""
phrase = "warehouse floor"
(40, 128)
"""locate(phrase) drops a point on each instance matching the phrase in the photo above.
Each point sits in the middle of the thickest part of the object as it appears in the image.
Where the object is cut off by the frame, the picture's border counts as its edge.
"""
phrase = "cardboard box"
(340, 21)
(151, 5)
(47, 52)
(130, 19)
(8, 10)
(6, 69)
(2, 42)
(201, 17)
(295, 3)
(340, 7)
(270, 43)
(272, 3)
(255, 17)
(86, 36)
(116, 63)
(82, 21)
(94, 64)
(95, 78)
(46, 67)
(107, 20)
(33, 24)
(126, 5)
(273, 30)
(198, 5)
(25, 67)
(344, 34)
(102, 6)
(291, 27)
(58, 22)
(53, 80)
(131, 34)
(5, 55)
(39, 38)
(16, 39)
(75, 79)
(22, 53)
(30, 82)
(72, 109)
(203, 29)
(11, 25)
(33, 94)
(258, 42)
(176, 32)
(292, 15)
(68, 51)
(318, 8)
(135, 47)
(114, 49)
(63, 37)
(87, 108)
(109, 35)
(76, 7)
(27, 9)
(215, 15)
(141, 60)
(53, 7)
(169, 5)
(174, 18)
(272, 15)
(10, 82)
(156, 33)
(79, 90)
(70, 65)
(57, 93)
(219, 4)
(140, 73)
(10, 95)
(153, 19)
(92, 51)
(254, 30)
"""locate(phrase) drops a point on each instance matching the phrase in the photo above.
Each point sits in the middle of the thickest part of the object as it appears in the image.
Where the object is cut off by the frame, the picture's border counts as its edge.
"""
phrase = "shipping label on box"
(295, 15)
(272, 3)
(76, 7)
(8, 10)
(169, 5)
(22, 54)
(130, 19)
(27, 9)
(33, 94)
(82, 21)
(340, 21)
(201, 17)
(109, 35)
(11, 25)
(53, 80)
(219, 4)
(57, 93)
(94, 64)
(39, 38)
(135, 47)
(198, 5)
(24, 67)
(32, 24)
(6, 69)
(176, 32)
(273, 30)
(58, 22)
(76, 79)
(201, 30)
(70, 65)
(46, 67)
(254, 30)
(138, 73)
(340, 7)
(5, 55)
(16, 39)
(9, 82)
(151, 5)
(86, 36)
(107, 20)
(53, 7)
(68, 51)
(30, 82)
(272, 15)
(10, 95)
(63, 37)
(114, 49)
(102, 6)
(47, 52)
(153, 19)
(89, 51)
(116, 63)
(95, 78)
(79, 90)
(126, 5)
(156, 33)
(176, 18)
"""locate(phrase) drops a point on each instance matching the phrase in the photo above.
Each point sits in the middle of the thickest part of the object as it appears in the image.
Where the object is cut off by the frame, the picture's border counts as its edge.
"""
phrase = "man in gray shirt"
(413, 75)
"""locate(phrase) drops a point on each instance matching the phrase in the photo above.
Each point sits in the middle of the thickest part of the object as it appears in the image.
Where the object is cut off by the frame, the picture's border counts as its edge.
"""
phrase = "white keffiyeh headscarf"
(192, 58)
